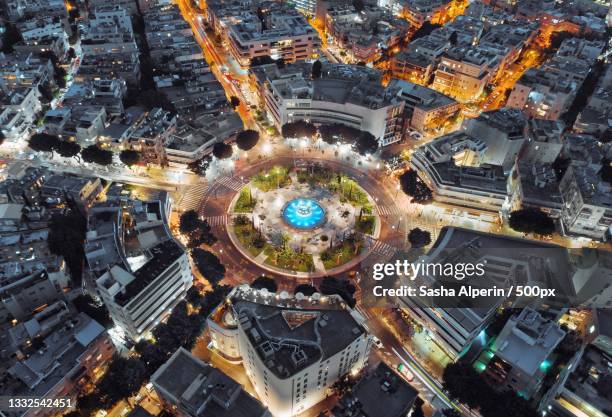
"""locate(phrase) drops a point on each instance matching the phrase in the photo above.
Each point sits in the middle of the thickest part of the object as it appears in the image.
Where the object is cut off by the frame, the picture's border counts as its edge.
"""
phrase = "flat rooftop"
(279, 330)
(204, 390)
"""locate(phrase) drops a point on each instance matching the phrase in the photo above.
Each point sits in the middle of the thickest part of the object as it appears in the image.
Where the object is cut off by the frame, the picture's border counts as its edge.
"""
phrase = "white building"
(138, 301)
(587, 199)
(456, 323)
(293, 349)
(522, 351)
(346, 94)
(282, 33)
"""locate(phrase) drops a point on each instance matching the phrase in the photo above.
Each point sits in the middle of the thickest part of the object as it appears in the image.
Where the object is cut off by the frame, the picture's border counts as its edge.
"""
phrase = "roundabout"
(300, 219)
(304, 221)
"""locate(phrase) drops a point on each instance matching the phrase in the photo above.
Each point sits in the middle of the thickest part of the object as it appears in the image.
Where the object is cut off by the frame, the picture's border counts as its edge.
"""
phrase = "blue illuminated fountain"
(303, 214)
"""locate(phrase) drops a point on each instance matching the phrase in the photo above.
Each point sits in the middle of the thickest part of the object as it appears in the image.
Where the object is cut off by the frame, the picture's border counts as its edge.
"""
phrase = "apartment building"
(522, 352)
(425, 109)
(137, 301)
(346, 94)
(194, 388)
(294, 349)
(276, 32)
(463, 73)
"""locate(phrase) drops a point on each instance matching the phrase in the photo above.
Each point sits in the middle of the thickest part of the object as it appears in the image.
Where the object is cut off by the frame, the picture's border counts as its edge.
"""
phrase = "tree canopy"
(197, 230)
(419, 238)
(208, 264)
(129, 157)
(414, 187)
(342, 287)
(234, 101)
(68, 149)
(363, 142)
(95, 154)
(298, 129)
(247, 139)
(189, 221)
(66, 238)
(305, 289)
(317, 68)
(531, 220)
(222, 150)
(43, 142)
(265, 282)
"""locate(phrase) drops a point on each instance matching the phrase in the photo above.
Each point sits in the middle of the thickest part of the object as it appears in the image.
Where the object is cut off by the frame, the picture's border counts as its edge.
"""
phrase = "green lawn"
(289, 259)
(341, 254)
(245, 202)
(249, 237)
(366, 224)
(277, 177)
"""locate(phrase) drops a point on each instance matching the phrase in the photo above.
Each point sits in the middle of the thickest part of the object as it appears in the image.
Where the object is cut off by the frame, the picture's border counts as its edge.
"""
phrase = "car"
(377, 342)
(403, 369)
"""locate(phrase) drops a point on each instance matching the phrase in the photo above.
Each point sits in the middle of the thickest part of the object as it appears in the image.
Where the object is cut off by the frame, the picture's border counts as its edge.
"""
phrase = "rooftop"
(291, 334)
(161, 257)
(527, 340)
(383, 386)
(200, 389)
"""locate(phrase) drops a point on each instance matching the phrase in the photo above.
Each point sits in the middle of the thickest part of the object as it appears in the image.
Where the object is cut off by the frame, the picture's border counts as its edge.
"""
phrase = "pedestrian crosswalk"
(217, 221)
(191, 198)
(381, 248)
(388, 211)
(230, 182)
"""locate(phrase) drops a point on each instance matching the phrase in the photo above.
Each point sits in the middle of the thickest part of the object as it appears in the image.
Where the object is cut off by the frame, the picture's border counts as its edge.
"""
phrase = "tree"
(123, 378)
(262, 60)
(43, 142)
(317, 68)
(414, 187)
(298, 129)
(247, 139)
(222, 150)
(97, 155)
(425, 30)
(366, 143)
(12, 35)
(606, 171)
(341, 287)
(419, 238)
(234, 101)
(46, 92)
(189, 221)
(84, 303)
(453, 38)
(531, 220)
(359, 5)
(265, 282)
(71, 53)
(197, 230)
(66, 238)
(2, 137)
(129, 157)
(68, 149)
(208, 264)
(305, 289)
(417, 408)
(200, 166)
(463, 383)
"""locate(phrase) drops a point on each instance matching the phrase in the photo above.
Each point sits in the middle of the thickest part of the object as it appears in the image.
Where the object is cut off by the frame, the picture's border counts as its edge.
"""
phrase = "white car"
(377, 342)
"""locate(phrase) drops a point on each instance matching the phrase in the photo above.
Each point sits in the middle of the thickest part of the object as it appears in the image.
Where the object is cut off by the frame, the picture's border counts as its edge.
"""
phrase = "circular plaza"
(306, 221)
